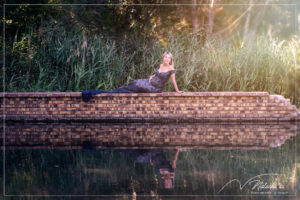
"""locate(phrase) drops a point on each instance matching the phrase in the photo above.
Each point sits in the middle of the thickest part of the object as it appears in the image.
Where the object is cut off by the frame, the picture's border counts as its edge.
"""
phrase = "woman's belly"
(145, 86)
(155, 81)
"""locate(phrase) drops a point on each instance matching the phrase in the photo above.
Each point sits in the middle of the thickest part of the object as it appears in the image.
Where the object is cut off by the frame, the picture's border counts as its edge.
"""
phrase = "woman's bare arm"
(174, 83)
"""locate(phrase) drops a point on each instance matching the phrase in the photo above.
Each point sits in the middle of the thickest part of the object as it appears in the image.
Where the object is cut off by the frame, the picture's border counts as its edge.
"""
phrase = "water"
(153, 161)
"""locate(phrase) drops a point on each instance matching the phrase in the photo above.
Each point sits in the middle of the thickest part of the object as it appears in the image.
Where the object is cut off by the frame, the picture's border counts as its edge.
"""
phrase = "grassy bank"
(55, 60)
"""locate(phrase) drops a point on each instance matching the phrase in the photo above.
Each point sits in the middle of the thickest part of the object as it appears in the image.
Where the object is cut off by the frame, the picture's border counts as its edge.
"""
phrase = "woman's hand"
(151, 78)
(179, 91)
(182, 149)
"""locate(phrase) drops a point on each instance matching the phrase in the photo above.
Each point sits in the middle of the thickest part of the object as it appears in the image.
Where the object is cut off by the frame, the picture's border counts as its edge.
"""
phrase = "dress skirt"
(136, 86)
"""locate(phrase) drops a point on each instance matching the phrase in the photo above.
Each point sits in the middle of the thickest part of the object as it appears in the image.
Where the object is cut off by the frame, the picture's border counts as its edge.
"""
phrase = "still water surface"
(150, 160)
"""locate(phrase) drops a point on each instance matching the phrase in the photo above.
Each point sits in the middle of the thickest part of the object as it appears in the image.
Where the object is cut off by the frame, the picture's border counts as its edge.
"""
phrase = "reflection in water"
(218, 136)
(149, 159)
(156, 158)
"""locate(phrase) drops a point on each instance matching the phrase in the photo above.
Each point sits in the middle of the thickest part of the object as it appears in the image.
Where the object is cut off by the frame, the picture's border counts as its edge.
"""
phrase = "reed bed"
(61, 61)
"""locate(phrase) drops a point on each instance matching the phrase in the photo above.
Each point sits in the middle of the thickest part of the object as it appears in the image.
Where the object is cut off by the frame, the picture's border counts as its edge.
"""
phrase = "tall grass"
(61, 61)
(264, 65)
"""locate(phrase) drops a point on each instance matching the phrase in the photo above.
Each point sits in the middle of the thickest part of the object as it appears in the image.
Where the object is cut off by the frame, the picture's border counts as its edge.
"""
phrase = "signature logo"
(254, 182)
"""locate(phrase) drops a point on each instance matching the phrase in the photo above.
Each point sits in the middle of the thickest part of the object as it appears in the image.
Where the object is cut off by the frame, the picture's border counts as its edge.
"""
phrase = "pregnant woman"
(154, 84)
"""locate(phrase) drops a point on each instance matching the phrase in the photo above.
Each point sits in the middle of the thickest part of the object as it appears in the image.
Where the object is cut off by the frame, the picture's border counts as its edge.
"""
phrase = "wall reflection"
(149, 159)
(147, 135)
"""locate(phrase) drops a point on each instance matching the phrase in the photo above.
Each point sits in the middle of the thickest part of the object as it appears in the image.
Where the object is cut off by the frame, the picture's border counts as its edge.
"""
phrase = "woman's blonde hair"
(168, 53)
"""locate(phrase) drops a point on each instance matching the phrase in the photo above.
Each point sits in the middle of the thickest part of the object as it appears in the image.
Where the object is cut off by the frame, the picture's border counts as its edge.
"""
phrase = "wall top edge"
(78, 94)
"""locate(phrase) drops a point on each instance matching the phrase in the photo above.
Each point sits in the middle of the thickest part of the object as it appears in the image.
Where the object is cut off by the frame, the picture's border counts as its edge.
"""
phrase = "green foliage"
(266, 64)
(64, 61)
(72, 48)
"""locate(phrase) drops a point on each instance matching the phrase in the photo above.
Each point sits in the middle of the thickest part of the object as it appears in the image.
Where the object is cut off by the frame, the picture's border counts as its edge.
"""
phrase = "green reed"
(61, 61)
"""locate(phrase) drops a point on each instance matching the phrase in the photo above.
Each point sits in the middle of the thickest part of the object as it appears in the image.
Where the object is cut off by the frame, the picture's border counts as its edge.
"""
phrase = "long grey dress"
(137, 86)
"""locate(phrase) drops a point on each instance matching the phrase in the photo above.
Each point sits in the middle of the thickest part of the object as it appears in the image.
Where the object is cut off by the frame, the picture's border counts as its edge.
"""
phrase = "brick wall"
(151, 107)
(67, 135)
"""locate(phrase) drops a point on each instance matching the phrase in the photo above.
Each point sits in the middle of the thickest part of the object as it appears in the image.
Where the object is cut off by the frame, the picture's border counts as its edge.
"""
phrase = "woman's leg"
(144, 86)
(88, 94)
(136, 86)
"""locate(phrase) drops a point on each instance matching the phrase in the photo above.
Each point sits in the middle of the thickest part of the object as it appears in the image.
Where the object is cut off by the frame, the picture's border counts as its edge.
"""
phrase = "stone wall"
(150, 107)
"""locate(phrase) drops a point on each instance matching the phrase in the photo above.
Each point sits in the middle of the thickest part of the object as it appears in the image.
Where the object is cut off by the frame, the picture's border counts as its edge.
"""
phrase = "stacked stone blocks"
(152, 107)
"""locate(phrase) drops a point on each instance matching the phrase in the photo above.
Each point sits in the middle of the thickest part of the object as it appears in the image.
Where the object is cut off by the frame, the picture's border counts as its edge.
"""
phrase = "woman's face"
(167, 59)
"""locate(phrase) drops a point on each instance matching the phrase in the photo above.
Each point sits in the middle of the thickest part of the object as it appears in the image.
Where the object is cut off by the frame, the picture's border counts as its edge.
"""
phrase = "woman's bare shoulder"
(171, 67)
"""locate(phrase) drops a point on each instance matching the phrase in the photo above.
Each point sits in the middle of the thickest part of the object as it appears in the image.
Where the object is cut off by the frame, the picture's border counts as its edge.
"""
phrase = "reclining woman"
(154, 84)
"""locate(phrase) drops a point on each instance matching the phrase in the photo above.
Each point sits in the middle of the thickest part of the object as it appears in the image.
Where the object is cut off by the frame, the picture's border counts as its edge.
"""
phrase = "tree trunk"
(256, 20)
(179, 10)
(247, 22)
(210, 18)
(195, 18)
